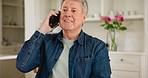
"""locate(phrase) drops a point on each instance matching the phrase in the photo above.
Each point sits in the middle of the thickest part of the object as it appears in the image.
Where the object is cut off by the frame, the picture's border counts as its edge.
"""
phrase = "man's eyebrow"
(64, 7)
(71, 8)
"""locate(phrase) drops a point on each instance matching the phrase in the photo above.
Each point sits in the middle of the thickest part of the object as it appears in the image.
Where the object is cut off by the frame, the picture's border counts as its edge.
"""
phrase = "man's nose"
(68, 14)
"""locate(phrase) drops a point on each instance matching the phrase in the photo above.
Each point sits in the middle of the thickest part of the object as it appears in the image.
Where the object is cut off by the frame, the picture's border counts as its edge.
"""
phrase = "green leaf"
(107, 28)
(122, 28)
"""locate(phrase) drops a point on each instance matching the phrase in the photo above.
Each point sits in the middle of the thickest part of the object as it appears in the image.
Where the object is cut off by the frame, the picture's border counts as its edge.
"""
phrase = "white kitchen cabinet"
(11, 36)
(7, 67)
(126, 65)
(12, 22)
(124, 74)
(11, 26)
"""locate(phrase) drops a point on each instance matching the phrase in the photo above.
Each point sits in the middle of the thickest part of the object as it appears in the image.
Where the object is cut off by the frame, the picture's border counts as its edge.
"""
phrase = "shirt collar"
(60, 36)
(80, 39)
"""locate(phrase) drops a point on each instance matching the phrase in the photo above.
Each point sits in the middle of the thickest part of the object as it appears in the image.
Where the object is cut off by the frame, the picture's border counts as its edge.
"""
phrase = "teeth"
(68, 21)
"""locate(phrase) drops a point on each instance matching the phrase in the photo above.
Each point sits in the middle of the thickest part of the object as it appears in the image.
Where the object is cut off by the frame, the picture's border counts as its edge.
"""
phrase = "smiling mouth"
(68, 21)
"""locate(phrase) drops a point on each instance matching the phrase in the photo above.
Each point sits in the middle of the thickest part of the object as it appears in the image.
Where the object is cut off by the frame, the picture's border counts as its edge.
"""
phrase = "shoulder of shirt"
(95, 40)
(93, 43)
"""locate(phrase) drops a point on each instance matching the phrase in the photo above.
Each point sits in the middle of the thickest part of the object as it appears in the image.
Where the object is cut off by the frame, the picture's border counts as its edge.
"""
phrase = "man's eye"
(74, 11)
(64, 10)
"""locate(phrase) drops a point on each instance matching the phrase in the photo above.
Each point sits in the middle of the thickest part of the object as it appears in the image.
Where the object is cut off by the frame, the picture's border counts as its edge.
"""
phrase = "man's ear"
(84, 16)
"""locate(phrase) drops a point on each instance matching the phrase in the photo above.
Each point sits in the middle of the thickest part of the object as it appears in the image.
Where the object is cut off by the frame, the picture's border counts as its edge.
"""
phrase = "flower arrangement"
(113, 25)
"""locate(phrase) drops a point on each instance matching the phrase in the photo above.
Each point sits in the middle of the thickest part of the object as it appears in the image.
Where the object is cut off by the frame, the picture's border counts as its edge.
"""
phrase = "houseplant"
(113, 26)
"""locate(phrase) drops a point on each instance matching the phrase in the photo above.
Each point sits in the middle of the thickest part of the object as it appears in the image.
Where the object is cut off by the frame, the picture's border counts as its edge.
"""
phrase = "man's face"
(72, 16)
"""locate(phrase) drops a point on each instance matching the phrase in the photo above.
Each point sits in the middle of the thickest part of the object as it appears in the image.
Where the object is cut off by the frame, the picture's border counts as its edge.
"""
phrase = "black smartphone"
(54, 20)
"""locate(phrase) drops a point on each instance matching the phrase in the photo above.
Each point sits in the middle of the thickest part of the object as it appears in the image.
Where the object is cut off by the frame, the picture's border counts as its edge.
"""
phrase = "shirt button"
(28, 53)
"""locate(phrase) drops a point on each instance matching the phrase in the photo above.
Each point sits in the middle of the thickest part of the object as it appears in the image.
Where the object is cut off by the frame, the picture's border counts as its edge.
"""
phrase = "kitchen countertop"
(7, 57)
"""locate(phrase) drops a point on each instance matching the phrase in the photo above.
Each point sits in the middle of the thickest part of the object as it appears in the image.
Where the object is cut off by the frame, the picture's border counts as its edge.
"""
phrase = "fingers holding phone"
(54, 20)
(50, 22)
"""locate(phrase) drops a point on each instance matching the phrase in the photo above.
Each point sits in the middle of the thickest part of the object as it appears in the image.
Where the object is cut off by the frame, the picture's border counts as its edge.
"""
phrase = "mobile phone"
(54, 20)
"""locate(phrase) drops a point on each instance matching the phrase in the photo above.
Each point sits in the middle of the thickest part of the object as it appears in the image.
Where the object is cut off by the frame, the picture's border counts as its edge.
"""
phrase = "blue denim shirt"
(88, 57)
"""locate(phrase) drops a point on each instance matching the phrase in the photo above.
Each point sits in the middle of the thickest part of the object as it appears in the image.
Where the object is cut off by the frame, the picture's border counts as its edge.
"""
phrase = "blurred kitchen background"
(20, 18)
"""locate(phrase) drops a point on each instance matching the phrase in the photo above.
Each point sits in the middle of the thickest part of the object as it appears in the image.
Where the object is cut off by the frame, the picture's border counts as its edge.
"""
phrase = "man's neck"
(71, 35)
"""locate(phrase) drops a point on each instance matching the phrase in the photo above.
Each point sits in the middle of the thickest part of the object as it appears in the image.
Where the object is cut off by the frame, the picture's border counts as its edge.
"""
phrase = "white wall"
(35, 12)
(32, 15)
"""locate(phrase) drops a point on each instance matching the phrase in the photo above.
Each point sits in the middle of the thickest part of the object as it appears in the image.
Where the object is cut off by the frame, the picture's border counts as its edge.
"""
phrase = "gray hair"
(84, 3)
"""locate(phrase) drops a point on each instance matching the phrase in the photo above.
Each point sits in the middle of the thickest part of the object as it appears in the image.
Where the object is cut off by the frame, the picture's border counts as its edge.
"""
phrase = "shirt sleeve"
(29, 56)
(101, 67)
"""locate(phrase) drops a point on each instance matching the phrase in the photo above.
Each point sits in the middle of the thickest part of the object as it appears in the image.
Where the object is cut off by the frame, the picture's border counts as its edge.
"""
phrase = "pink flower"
(119, 17)
(106, 18)
(113, 24)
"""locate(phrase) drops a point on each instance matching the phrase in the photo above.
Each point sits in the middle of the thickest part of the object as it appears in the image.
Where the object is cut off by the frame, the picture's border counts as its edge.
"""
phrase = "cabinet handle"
(121, 59)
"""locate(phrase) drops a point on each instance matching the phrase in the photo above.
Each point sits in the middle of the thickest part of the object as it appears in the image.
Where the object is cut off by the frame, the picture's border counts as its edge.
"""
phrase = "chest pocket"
(83, 67)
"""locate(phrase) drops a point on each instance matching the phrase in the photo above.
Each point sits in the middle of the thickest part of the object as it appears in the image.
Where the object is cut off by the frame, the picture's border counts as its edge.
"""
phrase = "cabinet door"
(8, 70)
(124, 74)
(125, 62)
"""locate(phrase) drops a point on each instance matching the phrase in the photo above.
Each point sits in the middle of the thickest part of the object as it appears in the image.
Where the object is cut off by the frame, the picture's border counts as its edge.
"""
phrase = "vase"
(112, 36)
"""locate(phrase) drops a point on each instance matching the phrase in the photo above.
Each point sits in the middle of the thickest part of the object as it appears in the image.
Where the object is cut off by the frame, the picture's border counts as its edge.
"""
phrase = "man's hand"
(45, 28)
